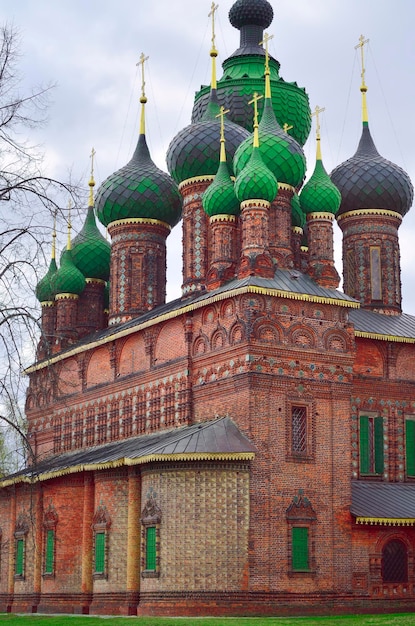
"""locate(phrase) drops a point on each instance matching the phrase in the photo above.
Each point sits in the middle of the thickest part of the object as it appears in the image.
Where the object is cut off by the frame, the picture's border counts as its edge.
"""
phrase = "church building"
(249, 447)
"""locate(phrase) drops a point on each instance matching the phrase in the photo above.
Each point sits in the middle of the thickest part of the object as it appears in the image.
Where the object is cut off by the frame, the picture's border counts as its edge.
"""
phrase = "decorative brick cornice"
(138, 220)
(255, 203)
(320, 216)
(222, 218)
(370, 213)
(195, 180)
(67, 296)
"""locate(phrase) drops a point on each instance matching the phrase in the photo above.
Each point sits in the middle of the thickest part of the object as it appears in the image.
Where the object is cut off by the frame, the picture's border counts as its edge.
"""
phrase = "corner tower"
(376, 194)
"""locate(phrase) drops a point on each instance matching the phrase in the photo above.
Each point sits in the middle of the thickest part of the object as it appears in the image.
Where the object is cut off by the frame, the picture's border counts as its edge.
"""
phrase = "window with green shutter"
(49, 551)
(100, 553)
(371, 445)
(410, 446)
(151, 559)
(19, 569)
(299, 549)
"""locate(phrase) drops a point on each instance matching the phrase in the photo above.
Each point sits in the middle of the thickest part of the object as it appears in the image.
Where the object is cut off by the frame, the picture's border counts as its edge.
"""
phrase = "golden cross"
(265, 41)
(213, 10)
(287, 127)
(93, 153)
(254, 101)
(361, 44)
(54, 234)
(222, 114)
(141, 62)
(317, 112)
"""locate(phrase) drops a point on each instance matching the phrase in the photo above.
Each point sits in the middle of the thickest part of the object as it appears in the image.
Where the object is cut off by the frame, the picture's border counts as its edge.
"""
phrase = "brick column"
(195, 235)
(224, 245)
(48, 329)
(255, 257)
(138, 267)
(87, 542)
(91, 307)
(280, 227)
(133, 539)
(296, 238)
(66, 319)
(38, 537)
(320, 249)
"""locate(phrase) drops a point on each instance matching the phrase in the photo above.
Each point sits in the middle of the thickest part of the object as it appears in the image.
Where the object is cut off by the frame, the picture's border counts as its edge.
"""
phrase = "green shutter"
(378, 445)
(151, 548)
(410, 447)
(19, 557)
(299, 548)
(50, 551)
(99, 553)
(364, 445)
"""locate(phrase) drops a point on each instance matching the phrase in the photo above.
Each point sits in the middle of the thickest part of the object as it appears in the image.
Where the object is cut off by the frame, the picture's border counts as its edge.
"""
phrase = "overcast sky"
(90, 48)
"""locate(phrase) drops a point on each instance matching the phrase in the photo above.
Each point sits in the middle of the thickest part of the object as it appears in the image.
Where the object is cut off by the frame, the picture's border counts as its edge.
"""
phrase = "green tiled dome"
(139, 190)
(68, 279)
(243, 75)
(279, 151)
(90, 250)
(319, 194)
(219, 198)
(44, 289)
(368, 181)
(195, 149)
(297, 214)
(256, 181)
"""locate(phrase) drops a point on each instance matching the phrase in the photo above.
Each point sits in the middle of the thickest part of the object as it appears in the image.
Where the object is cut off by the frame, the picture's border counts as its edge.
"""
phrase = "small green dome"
(90, 250)
(139, 190)
(44, 289)
(194, 151)
(297, 214)
(256, 181)
(319, 194)
(279, 151)
(68, 279)
(219, 198)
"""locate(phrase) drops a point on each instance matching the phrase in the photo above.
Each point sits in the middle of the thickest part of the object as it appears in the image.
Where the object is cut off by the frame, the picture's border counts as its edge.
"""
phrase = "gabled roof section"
(217, 440)
(290, 284)
(400, 328)
(389, 504)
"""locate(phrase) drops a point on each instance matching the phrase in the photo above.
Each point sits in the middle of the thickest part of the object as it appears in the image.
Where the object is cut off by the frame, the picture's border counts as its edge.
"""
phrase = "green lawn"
(407, 619)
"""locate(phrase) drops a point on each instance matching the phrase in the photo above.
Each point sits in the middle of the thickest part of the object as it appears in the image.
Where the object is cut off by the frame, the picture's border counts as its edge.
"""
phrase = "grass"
(405, 619)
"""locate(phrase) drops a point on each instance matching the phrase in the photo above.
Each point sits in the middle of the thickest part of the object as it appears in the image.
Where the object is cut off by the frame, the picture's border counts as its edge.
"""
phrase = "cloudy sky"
(90, 48)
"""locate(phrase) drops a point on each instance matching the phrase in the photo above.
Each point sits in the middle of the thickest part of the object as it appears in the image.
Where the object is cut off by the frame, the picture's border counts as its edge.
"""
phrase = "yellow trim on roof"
(372, 212)
(139, 220)
(127, 462)
(196, 179)
(278, 293)
(386, 521)
(395, 338)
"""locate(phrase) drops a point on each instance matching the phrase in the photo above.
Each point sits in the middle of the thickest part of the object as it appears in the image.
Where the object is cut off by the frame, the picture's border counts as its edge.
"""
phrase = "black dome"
(251, 12)
(368, 181)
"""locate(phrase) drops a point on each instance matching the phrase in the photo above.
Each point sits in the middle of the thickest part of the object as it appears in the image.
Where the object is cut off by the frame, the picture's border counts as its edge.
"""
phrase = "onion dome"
(44, 289)
(219, 198)
(243, 74)
(90, 250)
(68, 278)
(195, 149)
(256, 181)
(320, 194)
(279, 151)
(297, 214)
(368, 181)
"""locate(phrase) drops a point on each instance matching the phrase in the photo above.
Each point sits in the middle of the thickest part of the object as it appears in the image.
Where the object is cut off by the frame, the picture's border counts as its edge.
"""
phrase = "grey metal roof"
(383, 500)
(391, 325)
(217, 437)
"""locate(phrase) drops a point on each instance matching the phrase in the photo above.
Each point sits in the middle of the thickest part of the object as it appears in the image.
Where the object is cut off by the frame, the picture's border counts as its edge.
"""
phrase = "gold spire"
(213, 51)
(91, 181)
(254, 100)
(53, 255)
(143, 98)
(286, 127)
(265, 41)
(317, 112)
(69, 244)
(222, 133)
(363, 87)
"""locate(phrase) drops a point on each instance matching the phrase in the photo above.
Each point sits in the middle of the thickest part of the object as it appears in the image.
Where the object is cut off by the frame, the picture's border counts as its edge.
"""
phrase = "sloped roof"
(383, 503)
(219, 439)
(386, 327)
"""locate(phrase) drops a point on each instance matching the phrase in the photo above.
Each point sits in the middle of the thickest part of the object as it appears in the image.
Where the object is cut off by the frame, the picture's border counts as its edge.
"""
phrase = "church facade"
(248, 448)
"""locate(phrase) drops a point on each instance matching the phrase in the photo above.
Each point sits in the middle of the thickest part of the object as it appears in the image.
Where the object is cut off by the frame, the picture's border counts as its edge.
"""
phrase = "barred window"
(299, 429)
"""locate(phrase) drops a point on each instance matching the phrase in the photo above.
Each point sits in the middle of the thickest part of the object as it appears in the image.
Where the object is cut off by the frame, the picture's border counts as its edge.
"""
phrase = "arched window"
(394, 562)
